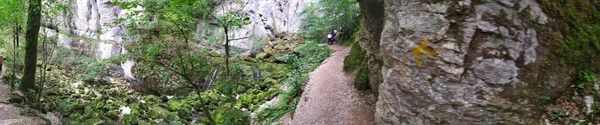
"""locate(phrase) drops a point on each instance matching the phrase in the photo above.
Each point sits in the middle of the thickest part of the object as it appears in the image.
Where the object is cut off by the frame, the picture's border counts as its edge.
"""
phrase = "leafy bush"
(323, 16)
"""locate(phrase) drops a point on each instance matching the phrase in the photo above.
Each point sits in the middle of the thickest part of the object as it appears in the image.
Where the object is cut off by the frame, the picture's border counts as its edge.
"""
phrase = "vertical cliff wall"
(372, 19)
(88, 25)
(268, 19)
(496, 59)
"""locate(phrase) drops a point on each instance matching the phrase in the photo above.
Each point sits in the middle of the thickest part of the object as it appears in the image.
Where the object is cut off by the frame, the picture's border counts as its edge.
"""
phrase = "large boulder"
(491, 65)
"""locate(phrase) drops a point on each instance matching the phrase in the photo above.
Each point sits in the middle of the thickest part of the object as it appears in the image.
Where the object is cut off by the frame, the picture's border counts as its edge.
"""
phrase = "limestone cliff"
(87, 24)
(268, 19)
(92, 24)
(490, 67)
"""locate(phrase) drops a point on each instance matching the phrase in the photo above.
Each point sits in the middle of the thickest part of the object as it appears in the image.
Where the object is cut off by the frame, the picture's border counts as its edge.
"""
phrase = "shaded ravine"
(330, 98)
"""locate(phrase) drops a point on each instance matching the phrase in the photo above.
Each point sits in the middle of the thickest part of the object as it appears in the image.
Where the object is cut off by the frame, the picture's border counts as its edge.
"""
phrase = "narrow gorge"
(255, 62)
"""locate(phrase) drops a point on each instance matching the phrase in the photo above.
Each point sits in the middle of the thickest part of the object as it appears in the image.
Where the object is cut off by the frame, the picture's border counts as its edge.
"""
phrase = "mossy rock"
(93, 122)
(281, 47)
(356, 63)
(15, 98)
(268, 49)
(361, 82)
(355, 59)
(262, 55)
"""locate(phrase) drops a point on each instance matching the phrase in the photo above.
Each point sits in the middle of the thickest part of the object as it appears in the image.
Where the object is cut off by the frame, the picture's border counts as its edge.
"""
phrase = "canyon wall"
(483, 62)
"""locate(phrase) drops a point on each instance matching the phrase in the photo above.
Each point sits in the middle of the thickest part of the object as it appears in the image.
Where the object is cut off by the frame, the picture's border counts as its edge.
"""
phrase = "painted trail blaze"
(422, 49)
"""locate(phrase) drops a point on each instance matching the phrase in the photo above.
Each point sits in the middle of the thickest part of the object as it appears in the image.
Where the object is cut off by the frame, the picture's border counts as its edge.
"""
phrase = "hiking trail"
(329, 97)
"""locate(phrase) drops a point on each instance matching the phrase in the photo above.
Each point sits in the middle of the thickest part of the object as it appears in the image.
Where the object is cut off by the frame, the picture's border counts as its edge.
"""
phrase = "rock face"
(87, 24)
(92, 22)
(488, 67)
(371, 27)
(268, 19)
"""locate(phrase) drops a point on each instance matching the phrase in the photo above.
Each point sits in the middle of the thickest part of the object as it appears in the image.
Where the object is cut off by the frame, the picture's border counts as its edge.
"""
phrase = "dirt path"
(330, 98)
(11, 114)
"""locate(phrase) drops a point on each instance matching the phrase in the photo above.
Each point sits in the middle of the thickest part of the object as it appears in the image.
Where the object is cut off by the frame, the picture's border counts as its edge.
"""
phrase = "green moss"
(355, 59)
(578, 45)
(356, 63)
(15, 98)
(361, 82)
(579, 23)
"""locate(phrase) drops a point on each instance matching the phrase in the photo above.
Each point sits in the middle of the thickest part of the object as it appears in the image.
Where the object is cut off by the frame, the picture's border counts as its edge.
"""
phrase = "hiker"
(334, 33)
(331, 37)
(1, 63)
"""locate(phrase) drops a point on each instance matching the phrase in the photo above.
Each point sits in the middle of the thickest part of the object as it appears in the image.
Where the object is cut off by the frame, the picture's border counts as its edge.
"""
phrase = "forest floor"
(329, 98)
(11, 113)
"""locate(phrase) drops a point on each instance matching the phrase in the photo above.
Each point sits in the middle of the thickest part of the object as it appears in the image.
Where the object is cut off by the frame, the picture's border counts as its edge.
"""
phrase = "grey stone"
(496, 71)
(479, 58)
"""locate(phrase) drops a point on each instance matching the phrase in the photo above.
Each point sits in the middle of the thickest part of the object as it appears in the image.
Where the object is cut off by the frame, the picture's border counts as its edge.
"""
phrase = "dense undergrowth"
(175, 81)
(310, 56)
(91, 96)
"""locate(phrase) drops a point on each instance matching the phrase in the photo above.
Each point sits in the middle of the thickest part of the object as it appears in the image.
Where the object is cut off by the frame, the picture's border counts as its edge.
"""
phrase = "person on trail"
(334, 33)
(329, 39)
(1, 62)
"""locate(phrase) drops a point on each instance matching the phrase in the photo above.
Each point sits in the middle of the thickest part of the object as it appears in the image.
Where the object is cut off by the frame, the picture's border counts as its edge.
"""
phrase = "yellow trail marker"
(422, 49)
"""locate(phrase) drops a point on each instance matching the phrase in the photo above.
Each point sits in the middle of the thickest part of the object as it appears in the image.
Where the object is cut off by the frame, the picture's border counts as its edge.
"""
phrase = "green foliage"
(580, 27)
(29, 112)
(160, 41)
(323, 16)
(12, 12)
(228, 115)
(94, 70)
(311, 54)
(287, 58)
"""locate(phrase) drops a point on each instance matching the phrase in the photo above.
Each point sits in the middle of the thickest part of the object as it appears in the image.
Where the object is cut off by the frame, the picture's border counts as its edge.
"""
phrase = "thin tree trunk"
(15, 46)
(31, 36)
(227, 55)
(43, 67)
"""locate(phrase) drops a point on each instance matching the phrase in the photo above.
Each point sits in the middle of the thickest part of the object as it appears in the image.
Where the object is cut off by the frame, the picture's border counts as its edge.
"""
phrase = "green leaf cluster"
(323, 16)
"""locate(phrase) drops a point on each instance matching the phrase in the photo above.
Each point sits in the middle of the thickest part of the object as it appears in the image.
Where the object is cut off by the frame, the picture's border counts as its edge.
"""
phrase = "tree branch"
(246, 37)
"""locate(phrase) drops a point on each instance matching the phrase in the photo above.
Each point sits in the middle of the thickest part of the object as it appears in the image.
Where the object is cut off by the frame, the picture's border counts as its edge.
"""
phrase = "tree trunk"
(33, 28)
(227, 55)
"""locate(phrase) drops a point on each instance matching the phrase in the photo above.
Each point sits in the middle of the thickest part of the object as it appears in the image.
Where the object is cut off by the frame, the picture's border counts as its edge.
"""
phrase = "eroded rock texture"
(268, 19)
(86, 21)
(489, 54)
(372, 13)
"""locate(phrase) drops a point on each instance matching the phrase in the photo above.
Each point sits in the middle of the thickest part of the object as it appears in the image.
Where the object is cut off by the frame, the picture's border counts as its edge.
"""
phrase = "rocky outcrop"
(268, 20)
(488, 67)
(88, 25)
(372, 13)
